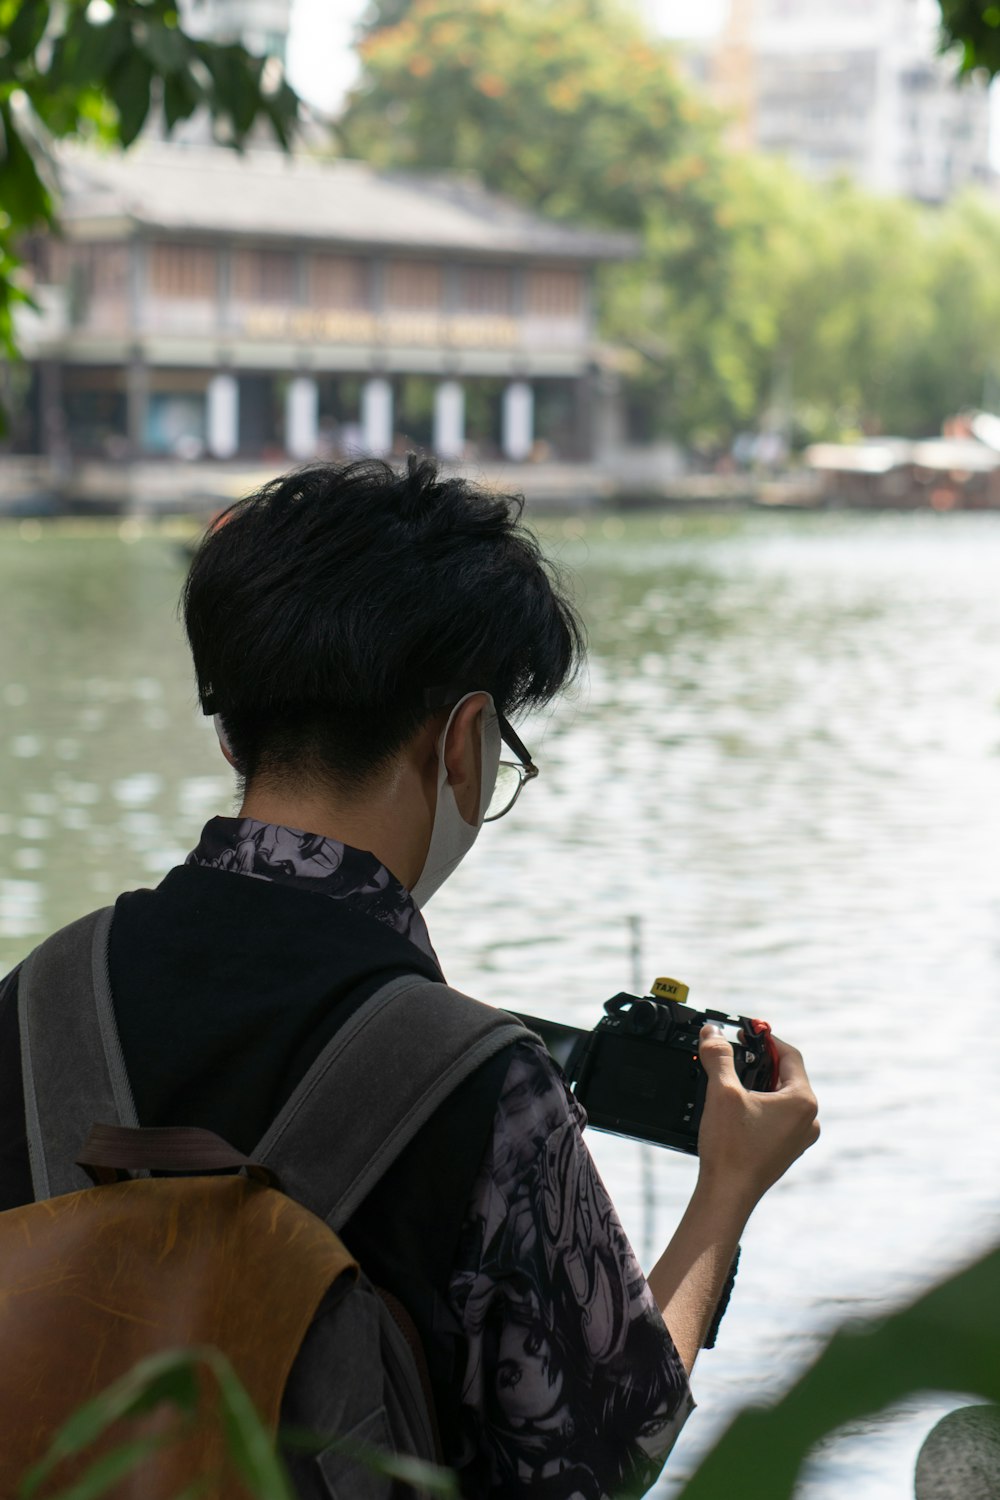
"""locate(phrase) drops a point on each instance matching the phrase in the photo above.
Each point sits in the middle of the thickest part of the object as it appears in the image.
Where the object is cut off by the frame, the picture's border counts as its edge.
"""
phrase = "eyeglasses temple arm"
(511, 738)
(445, 697)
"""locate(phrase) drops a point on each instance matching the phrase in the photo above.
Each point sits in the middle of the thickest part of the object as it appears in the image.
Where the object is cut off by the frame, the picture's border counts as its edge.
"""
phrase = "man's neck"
(375, 824)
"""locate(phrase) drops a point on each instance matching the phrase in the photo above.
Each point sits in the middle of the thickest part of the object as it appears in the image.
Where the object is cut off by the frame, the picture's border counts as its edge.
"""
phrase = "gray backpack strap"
(71, 1058)
(8, 984)
(381, 1077)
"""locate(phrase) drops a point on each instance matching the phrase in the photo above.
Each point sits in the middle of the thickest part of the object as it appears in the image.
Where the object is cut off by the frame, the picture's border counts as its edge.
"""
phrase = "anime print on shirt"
(572, 1388)
(316, 862)
(571, 1373)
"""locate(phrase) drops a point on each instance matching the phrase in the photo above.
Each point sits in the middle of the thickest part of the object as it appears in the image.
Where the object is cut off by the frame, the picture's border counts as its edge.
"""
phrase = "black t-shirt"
(226, 989)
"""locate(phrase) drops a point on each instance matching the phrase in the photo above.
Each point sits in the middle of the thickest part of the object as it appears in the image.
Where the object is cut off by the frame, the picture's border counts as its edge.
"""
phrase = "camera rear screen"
(559, 1040)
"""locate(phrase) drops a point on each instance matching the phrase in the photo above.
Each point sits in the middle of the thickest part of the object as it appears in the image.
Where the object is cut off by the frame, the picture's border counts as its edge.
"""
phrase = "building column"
(302, 417)
(55, 443)
(136, 405)
(376, 417)
(223, 415)
(609, 429)
(518, 437)
(449, 420)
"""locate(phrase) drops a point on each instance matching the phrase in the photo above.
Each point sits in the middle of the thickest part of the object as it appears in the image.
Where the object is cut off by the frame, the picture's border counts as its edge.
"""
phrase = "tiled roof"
(211, 190)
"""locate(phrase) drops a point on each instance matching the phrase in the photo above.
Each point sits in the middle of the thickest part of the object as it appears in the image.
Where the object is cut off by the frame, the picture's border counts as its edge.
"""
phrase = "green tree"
(849, 283)
(884, 311)
(569, 106)
(960, 358)
(97, 69)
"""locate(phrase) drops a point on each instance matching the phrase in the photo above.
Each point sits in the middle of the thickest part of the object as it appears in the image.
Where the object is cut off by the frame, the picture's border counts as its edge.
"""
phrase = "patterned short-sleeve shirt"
(572, 1388)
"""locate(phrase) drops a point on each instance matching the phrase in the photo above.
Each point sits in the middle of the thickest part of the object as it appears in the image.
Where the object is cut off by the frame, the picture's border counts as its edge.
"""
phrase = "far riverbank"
(891, 475)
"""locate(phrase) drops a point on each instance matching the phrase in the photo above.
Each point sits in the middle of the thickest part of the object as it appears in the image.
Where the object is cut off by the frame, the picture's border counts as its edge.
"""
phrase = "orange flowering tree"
(567, 103)
(572, 108)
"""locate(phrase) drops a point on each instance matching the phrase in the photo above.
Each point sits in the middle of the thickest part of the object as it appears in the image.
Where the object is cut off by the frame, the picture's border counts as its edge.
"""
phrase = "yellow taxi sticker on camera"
(670, 989)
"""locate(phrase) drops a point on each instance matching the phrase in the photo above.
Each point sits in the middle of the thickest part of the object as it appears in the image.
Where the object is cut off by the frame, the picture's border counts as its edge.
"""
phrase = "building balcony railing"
(60, 323)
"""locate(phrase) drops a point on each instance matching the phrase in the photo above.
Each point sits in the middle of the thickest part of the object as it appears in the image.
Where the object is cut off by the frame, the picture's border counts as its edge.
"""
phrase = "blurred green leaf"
(250, 1444)
(106, 1471)
(23, 195)
(86, 54)
(181, 97)
(236, 77)
(279, 108)
(947, 1340)
(430, 1479)
(170, 1376)
(166, 48)
(976, 28)
(129, 84)
(26, 29)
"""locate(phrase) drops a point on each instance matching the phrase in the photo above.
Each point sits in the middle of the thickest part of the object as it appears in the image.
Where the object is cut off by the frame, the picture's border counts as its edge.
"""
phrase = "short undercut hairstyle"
(321, 609)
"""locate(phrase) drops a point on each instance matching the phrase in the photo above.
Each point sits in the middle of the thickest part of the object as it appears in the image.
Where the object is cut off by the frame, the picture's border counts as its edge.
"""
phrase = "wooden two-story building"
(200, 305)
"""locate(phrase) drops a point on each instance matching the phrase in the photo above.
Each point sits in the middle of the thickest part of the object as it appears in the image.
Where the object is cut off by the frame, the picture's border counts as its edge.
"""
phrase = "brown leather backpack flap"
(97, 1280)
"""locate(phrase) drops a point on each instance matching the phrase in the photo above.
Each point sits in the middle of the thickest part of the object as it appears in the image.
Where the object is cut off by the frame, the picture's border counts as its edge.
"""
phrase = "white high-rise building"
(855, 88)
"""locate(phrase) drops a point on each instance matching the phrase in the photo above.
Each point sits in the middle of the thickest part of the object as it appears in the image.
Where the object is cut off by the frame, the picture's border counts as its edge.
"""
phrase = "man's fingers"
(716, 1055)
(791, 1068)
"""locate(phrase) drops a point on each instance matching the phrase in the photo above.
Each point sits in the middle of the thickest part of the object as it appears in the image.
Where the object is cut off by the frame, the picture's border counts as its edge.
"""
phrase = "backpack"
(104, 1269)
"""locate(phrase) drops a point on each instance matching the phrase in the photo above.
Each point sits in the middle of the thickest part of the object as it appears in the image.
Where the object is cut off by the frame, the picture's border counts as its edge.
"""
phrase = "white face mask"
(451, 836)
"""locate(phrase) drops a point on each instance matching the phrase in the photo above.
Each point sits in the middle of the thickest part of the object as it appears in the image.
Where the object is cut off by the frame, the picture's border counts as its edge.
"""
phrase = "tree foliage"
(757, 296)
(846, 313)
(567, 102)
(98, 69)
(975, 27)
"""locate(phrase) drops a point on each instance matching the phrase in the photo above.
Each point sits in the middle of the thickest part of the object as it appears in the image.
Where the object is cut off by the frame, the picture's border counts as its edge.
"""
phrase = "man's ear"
(463, 750)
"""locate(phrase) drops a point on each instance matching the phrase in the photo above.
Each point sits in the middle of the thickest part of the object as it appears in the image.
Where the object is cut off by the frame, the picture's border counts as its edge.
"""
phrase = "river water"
(782, 770)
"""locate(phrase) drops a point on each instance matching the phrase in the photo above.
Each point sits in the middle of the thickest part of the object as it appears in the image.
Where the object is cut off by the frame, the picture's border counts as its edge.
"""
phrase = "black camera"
(638, 1073)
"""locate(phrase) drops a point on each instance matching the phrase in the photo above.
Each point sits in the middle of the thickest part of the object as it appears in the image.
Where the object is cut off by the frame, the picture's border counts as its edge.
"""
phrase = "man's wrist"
(725, 1198)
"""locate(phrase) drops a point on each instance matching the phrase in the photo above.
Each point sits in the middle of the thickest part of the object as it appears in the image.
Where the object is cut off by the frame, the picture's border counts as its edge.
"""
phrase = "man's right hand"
(748, 1140)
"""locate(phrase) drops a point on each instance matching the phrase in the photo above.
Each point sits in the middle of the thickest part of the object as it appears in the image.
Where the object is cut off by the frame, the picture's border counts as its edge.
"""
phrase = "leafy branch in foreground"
(172, 1379)
(948, 1340)
(975, 27)
(97, 69)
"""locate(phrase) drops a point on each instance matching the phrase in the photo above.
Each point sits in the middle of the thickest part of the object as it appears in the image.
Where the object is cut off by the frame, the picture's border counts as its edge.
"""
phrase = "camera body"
(638, 1074)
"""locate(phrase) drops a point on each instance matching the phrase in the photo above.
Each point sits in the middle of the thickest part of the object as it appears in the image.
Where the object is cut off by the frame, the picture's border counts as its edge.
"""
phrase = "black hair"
(322, 608)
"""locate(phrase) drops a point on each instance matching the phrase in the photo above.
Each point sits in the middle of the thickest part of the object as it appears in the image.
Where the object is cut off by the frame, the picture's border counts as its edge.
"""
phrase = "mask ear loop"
(451, 836)
(220, 730)
(491, 748)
